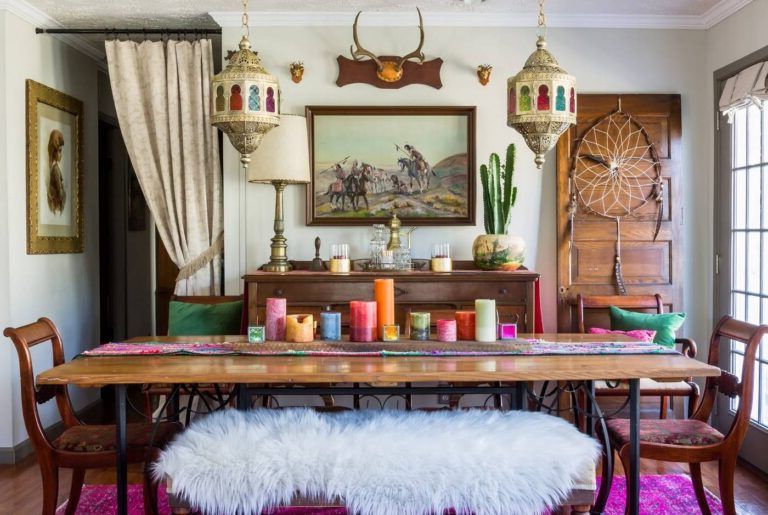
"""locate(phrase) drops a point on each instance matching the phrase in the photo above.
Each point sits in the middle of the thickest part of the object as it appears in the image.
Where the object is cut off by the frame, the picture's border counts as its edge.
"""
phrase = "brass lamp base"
(278, 258)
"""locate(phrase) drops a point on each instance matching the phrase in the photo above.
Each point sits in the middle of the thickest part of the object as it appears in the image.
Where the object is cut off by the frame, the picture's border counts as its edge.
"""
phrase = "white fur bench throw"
(377, 462)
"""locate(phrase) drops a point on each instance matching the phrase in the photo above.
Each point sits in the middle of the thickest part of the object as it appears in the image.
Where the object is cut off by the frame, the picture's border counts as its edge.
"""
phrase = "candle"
(485, 320)
(339, 260)
(446, 330)
(384, 291)
(465, 325)
(255, 334)
(275, 327)
(362, 321)
(441, 258)
(419, 326)
(391, 333)
(300, 328)
(330, 328)
(507, 331)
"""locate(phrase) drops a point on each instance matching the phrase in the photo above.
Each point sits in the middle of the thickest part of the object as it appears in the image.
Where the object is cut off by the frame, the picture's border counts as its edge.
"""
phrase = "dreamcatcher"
(616, 171)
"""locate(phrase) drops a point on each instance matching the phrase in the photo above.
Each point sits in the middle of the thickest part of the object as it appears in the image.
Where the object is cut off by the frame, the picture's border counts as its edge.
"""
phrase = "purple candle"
(446, 330)
(276, 310)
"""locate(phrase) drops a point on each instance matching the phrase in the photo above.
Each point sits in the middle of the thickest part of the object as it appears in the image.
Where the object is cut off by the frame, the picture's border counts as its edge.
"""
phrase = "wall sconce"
(484, 73)
(297, 71)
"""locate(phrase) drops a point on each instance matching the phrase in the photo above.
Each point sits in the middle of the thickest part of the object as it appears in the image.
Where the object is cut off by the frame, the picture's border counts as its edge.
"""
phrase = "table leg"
(243, 397)
(519, 396)
(122, 449)
(634, 447)
(589, 408)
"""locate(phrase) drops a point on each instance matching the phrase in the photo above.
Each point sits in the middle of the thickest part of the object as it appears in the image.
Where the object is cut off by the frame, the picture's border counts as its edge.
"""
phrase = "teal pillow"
(665, 324)
(191, 319)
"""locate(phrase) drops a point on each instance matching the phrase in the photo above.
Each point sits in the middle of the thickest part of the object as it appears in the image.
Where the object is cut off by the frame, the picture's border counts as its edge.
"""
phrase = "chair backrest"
(592, 310)
(730, 384)
(215, 299)
(24, 338)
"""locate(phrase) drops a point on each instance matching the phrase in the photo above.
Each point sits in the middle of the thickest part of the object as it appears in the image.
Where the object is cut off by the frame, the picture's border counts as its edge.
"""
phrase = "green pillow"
(191, 319)
(665, 324)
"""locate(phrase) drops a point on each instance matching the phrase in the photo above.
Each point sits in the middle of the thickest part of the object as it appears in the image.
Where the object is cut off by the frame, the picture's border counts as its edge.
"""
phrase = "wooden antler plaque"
(364, 72)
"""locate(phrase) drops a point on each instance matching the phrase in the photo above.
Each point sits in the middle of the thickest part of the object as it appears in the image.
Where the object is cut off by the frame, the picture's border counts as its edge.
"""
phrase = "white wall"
(6, 351)
(62, 287)
(603, 61)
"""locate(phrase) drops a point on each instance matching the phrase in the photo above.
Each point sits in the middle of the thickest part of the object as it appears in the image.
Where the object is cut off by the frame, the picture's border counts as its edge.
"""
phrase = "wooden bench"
(378, 461)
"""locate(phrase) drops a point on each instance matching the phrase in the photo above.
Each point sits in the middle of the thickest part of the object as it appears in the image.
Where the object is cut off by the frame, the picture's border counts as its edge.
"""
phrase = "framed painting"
(370, 162)
(54, 171)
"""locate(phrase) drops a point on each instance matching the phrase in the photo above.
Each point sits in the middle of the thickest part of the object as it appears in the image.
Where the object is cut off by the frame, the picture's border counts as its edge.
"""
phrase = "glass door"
(742, 258)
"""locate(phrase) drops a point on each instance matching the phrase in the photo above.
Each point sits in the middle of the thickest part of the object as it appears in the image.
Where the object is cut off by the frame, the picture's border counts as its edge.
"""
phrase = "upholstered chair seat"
(667, 431)
(101, 438)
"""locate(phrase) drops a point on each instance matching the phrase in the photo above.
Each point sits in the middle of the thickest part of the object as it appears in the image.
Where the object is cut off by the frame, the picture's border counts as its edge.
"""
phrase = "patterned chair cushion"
(668, 431)
(101, 438)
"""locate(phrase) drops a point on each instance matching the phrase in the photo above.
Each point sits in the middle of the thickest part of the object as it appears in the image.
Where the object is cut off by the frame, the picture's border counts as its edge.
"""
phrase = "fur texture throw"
(377, 462)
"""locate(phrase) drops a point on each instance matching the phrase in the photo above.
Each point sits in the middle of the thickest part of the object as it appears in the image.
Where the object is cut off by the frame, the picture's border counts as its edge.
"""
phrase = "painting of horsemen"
(370, 162)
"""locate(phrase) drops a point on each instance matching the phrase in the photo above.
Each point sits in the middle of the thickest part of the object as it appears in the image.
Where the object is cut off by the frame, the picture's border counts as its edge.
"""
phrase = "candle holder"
(391, 333)
(256, 334)
(441, 258)
(507, 331)
(330, 325)
(339, 259)
(420, 326)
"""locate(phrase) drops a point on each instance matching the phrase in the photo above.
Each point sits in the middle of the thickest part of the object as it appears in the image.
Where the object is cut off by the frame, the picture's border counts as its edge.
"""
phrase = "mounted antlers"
(388, 69)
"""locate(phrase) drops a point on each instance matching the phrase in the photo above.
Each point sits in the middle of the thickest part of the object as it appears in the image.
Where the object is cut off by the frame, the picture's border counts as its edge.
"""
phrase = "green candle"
(420, 326)
(485, 320)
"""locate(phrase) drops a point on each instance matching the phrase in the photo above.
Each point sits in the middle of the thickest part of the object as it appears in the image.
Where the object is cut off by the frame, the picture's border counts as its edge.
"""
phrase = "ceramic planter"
(498, 252)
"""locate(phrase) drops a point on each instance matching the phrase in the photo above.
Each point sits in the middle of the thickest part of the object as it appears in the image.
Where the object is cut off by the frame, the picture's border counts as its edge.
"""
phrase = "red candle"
(362, 321)
(465, 325)
(384, 291)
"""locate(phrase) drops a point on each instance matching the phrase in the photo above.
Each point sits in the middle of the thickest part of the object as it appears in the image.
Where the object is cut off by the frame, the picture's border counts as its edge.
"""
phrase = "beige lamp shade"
(283, 154)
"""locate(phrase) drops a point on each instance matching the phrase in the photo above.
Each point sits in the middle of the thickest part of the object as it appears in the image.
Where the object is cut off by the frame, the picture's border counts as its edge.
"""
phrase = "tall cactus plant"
(499, 194)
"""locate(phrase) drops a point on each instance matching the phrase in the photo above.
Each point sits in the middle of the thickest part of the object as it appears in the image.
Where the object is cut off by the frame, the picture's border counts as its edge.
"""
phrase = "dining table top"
(97, 371)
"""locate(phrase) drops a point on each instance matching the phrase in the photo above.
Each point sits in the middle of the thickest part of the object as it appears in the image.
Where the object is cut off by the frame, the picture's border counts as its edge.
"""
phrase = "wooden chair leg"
(606, 480)
(580, 510)
(150, 486)
(50, 487)
(78, 476)
(726, 470)
(698, 488)
(664, 408)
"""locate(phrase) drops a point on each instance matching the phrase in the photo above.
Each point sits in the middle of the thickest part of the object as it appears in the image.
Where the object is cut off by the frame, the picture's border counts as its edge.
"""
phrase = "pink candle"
(446, 330)
(362, 321)
(276, 309)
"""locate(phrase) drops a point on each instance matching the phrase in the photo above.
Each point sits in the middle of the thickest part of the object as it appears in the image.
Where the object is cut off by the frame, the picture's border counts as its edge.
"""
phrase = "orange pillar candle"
(384, 292)
(465, 325)
(300, 328)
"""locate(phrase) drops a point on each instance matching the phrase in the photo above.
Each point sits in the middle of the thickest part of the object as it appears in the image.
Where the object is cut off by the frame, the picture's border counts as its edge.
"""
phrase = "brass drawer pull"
(278, 292)
(399, 291)
(503, 291)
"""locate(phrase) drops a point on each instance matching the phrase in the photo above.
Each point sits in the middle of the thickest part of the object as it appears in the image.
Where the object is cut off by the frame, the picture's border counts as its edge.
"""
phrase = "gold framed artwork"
(54, 171)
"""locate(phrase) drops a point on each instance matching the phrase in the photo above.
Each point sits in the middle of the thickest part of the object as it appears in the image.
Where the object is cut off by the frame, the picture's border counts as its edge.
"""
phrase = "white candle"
(485, 320)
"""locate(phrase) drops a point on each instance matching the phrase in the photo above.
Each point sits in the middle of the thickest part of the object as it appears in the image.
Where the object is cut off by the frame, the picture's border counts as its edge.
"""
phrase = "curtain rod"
(147, 32)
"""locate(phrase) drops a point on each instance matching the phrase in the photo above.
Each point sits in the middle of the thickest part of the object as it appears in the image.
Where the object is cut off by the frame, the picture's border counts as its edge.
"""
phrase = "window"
(748, 289)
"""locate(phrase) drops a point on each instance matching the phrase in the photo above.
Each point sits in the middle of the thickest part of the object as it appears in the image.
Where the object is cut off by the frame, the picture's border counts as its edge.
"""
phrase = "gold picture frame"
(54, 171)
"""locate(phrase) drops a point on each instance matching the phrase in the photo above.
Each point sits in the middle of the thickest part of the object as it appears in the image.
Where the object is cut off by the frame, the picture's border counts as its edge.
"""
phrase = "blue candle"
(330, 325)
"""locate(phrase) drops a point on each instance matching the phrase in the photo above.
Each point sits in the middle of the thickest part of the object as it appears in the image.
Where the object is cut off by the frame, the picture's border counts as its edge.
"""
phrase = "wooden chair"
(80, 446)
(159, 391)
(593, 305)
(694, 441)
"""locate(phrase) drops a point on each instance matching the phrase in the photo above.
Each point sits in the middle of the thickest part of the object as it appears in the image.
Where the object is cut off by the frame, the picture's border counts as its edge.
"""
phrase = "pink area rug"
(660, 495)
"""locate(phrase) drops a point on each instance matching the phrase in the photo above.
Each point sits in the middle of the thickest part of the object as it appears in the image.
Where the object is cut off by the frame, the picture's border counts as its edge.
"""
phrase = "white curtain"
(749, 86)
(162, 95)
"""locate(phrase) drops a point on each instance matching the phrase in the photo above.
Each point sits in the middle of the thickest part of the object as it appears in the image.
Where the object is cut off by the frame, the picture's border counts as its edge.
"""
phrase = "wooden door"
(586, 265)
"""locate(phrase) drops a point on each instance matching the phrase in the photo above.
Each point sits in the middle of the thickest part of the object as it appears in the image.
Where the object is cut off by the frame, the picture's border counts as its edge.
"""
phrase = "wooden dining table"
(333, 375)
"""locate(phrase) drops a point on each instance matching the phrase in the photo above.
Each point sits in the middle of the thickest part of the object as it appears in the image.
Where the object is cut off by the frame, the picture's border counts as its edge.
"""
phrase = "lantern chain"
(246, 28)
(542, 30)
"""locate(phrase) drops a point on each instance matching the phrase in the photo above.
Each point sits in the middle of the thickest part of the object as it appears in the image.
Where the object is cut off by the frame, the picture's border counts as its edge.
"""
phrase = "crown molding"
(721, 11)
(38, 18)
(231, 19)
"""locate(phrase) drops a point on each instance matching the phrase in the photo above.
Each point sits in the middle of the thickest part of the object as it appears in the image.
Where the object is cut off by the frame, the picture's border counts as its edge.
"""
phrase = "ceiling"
(195, 13)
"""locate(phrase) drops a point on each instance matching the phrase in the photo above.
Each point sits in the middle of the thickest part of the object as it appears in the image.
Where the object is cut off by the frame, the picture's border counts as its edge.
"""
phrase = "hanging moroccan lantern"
(541, 98)
(246, 102)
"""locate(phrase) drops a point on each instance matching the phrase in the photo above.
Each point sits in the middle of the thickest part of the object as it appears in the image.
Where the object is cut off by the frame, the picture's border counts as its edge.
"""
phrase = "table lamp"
(281, 159)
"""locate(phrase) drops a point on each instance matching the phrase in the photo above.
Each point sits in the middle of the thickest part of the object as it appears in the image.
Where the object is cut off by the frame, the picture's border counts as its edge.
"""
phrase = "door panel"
(586, 265)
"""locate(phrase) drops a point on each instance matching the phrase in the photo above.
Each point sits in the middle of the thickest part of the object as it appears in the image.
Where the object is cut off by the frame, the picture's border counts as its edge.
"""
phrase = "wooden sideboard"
(438, 293)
